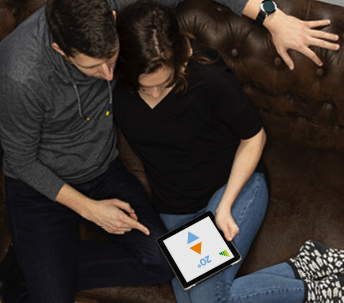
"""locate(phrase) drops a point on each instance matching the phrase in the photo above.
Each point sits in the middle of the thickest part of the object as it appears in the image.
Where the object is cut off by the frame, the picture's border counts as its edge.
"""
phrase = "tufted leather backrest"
(13, 12)
(303, 107)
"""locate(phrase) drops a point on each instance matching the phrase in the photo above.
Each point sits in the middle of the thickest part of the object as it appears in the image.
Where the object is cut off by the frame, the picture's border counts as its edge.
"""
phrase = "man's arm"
(117, 4)
(236, 6)
(113, 215)
(20, 132)
(287, 31)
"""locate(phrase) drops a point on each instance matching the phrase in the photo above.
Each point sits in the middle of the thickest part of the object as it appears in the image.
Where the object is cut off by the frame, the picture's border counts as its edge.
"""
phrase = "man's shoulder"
(21, 51)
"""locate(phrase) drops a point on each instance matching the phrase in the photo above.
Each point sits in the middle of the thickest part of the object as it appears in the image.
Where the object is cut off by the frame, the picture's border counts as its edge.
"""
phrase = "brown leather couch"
(302, 112)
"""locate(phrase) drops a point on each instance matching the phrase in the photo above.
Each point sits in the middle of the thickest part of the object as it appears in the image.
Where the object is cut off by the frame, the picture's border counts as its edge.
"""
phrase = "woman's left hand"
(226, 223)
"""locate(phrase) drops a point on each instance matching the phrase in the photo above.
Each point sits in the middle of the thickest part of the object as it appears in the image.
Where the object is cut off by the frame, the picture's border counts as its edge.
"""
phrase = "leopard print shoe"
(316, 261)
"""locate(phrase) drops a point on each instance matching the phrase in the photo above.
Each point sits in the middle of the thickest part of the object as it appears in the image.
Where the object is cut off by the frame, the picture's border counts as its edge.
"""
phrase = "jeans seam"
(242, 215)
(9, 209)
(219, 292)
(243, 298)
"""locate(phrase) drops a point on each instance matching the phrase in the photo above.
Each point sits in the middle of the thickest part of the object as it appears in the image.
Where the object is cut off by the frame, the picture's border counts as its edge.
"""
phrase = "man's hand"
(115, 216)
(291, 33)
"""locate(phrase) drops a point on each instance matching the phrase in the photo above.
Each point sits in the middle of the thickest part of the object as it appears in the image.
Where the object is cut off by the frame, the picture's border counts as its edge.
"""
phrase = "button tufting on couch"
(302, 112)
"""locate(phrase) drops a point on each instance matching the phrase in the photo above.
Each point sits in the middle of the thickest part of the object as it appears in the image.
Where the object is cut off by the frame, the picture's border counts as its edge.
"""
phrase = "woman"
(186, 117)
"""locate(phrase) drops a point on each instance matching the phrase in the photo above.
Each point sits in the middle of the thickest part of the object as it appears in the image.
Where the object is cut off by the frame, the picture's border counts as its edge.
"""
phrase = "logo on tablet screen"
(224, 253)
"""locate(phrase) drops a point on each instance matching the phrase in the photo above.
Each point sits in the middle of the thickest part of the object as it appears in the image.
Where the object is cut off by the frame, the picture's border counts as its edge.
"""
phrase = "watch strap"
(261, 17)
(263, 13)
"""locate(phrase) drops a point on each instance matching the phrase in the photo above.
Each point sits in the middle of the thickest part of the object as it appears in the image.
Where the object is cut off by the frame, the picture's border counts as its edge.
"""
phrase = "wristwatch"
(267, 7)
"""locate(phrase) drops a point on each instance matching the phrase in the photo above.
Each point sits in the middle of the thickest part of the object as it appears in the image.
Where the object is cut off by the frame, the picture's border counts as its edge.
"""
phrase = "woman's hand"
(245, 161)
(289, 32)
(226, 223)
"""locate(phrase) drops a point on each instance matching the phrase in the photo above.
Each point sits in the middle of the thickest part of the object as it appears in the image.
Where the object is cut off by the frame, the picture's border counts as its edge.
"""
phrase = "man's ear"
(114, 14)
(58, 49)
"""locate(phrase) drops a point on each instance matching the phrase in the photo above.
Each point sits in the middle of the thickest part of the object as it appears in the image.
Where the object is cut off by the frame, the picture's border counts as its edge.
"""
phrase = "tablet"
(197, 250)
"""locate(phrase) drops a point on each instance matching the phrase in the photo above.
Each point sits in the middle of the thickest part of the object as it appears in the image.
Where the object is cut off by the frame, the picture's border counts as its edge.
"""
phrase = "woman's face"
(157, 83)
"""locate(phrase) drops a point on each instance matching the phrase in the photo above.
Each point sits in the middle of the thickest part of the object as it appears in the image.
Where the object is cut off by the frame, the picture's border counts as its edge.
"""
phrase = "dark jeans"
(55, 264)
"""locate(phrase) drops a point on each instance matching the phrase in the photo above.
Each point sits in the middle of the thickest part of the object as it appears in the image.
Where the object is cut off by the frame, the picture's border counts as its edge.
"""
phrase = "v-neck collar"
(160, 104)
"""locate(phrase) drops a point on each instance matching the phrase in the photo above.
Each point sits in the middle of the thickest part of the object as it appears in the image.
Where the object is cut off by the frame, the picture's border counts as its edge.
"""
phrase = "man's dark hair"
(150, 39)
(85, 26)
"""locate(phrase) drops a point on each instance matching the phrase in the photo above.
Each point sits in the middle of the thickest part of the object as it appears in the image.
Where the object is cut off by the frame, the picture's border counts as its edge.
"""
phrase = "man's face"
(94, 67)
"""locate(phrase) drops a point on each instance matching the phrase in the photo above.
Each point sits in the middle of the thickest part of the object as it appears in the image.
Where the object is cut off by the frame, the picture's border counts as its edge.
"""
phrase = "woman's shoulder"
(209, 64)
(211, 75)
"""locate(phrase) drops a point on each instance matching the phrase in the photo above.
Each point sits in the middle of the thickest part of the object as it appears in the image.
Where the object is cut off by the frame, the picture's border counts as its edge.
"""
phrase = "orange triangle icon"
(197, 248)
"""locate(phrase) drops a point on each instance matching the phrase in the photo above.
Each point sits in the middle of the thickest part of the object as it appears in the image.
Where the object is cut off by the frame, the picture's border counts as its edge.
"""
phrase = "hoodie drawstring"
(79, 101)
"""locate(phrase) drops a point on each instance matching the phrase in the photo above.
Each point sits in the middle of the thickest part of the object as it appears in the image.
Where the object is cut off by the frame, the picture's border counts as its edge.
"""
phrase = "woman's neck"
(152, 101)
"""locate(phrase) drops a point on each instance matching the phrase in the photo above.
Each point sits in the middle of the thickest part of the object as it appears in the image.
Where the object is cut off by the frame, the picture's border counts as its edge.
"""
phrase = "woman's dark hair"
(85, 26)
(150, 38)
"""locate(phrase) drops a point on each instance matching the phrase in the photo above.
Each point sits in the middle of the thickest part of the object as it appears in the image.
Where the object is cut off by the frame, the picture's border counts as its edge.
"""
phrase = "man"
(60, 157)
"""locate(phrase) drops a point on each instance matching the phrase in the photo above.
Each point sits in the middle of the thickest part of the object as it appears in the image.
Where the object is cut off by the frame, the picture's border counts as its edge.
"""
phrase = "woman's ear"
(58, 49)
(114, 14)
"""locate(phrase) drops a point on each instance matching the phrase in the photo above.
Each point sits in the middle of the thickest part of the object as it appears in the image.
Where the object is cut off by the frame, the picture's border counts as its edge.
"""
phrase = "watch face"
(269, 6)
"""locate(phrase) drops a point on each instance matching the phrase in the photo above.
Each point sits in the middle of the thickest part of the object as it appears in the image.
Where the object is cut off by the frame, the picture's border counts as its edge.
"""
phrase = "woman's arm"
(245, 162)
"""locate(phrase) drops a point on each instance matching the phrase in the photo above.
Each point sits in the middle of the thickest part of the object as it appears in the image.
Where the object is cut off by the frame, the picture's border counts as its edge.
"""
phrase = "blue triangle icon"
(191, 237)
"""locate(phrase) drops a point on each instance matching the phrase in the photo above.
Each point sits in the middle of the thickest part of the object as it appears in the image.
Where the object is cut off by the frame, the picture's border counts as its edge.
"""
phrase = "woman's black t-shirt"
(187, 142)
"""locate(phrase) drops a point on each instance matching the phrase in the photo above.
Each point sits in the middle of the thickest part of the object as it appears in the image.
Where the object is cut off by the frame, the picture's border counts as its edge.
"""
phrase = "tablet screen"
(197, 250)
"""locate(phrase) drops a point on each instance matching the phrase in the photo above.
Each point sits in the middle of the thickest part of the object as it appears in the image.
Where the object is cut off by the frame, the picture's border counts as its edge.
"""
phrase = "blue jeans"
(55, 264)
(274, 284)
